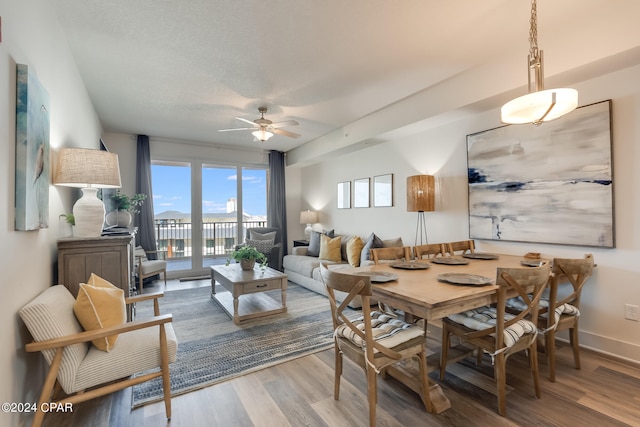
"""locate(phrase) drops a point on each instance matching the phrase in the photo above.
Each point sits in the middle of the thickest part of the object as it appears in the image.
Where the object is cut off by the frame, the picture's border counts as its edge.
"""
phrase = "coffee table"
(251, 285)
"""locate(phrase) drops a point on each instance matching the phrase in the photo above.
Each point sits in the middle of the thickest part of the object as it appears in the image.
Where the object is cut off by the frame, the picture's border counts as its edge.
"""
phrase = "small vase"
(247, 264)
(118, 218)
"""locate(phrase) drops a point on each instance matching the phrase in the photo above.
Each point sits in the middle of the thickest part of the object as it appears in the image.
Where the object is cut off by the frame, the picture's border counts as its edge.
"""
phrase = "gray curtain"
(276, 202)
(144, 220)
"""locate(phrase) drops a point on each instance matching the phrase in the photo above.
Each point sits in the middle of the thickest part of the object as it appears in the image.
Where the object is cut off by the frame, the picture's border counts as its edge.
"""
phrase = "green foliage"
(249, 253)
(122, 202)
(69, 218)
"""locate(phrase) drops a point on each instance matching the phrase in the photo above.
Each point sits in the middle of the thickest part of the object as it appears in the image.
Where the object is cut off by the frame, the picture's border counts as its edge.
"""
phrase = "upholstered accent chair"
(146, 267)
(260, 236)
(373, 341)
(81, 370)
(492, 330)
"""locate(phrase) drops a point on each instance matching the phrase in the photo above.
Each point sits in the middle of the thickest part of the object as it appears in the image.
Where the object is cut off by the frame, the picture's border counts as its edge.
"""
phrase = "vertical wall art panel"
(32, 152)
(551, 183)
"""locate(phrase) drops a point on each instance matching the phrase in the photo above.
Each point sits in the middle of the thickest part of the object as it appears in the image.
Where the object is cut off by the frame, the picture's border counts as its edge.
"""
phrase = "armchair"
(83, 371)
(148, 267)
(274, 256)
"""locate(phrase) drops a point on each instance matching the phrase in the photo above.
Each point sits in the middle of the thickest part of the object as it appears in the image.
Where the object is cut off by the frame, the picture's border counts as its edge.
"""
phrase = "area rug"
(211, 349)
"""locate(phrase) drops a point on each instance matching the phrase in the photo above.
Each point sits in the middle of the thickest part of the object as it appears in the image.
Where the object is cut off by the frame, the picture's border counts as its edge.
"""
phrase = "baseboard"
(608, 347)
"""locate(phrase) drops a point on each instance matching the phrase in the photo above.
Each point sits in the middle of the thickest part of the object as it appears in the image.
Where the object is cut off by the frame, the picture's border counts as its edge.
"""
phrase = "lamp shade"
(421, 193)
(262, 134)
(81, 167)
(308, 217)
(541, 106)
(89, 170)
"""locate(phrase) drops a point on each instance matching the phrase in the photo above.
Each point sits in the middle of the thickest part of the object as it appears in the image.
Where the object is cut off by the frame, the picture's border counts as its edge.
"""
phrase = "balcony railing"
(174, 239)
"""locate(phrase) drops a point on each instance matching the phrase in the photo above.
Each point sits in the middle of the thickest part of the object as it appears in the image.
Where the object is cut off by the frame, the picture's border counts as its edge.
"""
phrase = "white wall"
(32, 36)
(442, 152)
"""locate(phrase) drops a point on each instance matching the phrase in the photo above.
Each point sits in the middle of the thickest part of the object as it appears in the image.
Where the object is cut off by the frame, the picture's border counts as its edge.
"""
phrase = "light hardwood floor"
(604, 392)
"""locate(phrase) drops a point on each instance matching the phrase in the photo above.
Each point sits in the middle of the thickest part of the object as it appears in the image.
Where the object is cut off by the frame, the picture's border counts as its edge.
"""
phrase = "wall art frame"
(383, 190)
(361, 193)
(344, 195)
(551, 183)
(32, 170)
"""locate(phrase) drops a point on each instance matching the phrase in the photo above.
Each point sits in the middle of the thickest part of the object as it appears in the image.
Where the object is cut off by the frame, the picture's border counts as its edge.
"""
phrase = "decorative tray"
(411, 265)
(378, 276)
(480, 255)
(464, 279)
(449, 261)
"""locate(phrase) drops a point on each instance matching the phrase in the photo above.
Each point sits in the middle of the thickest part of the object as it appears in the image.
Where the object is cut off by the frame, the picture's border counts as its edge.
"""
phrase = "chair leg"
(164, 275)
(164, 365)
(444, 350)
(338, 372)
(45, 395)
(500, 373)
(372, 394)
(550, 350)
(533, 365)
(575, 344)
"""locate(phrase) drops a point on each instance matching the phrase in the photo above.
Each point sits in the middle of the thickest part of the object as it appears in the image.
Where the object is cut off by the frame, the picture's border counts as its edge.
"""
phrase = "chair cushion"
(485, 317)
(263, 246)
(50, 316)
(100, 306)
(387, 330)
(330, 248)
(153, 266)
(139, 350)
(567, 309)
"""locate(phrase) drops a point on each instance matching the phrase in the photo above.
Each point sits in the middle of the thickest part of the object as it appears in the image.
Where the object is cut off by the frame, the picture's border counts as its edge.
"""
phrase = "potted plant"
(70, 220)
(124, 207)
(247, 257)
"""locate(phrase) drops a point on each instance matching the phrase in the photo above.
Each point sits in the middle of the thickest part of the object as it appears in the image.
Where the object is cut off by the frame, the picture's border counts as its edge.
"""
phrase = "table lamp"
(421, 199)
(89, 170)
(308, 217)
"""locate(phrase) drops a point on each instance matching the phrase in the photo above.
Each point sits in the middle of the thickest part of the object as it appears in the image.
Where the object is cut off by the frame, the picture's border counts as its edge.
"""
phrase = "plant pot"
(118, 218)
(247, 264)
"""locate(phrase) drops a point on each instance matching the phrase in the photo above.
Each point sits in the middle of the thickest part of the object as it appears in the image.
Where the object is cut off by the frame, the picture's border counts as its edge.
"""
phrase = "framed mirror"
(344, 195)
(361, 193)
(383, 190)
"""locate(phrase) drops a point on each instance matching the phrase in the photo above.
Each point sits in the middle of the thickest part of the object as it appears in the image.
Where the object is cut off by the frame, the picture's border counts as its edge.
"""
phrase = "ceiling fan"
(263, 129)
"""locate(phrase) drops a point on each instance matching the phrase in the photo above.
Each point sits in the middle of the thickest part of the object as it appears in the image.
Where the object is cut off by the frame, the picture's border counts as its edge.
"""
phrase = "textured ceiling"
(182, 70)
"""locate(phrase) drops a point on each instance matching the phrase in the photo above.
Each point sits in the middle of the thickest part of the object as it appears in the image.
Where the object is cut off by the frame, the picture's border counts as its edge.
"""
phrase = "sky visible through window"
(172, 189)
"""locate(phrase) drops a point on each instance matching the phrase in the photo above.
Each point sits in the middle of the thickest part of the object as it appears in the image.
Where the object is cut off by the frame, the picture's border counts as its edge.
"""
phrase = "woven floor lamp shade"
(421, 198)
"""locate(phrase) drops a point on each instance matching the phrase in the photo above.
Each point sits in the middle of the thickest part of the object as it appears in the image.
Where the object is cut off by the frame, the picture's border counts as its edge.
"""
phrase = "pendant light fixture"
(539, 105)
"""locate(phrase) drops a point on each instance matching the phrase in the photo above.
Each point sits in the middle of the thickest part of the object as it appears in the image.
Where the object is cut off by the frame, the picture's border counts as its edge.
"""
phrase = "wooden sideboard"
(110, 257)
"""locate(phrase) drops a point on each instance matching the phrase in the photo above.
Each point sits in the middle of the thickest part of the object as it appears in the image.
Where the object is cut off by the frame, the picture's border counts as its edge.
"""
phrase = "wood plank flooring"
(604, 392)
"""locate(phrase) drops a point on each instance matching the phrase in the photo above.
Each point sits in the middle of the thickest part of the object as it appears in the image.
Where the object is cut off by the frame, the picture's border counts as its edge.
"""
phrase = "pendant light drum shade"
(421, 193)
(538, 107)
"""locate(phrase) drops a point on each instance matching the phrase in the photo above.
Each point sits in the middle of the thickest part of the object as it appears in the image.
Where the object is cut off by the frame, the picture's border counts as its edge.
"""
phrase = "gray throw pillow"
(314, 241)
(254, 235)
(263, 246)
(372, 242)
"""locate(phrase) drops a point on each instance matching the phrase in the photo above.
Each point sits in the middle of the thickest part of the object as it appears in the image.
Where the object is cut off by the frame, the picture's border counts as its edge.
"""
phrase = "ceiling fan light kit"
(263, 129)
(539, 105)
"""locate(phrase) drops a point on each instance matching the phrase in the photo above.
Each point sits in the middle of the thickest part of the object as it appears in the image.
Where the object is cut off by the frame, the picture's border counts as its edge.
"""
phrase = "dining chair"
(430, 250)
(460, 247)
(567, 309)
(501, 334)
(374, 340)
(390, 254)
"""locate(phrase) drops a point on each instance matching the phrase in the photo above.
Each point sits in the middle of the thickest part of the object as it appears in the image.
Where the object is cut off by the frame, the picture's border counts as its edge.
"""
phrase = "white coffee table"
(251, 285)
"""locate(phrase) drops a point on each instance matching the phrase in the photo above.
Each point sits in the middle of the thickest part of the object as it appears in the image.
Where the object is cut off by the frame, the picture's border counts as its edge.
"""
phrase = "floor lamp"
(89, 170)
(421, 199)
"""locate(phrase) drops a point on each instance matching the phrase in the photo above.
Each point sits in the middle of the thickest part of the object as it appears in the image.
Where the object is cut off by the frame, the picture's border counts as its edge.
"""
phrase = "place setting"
(411, 265)
(464, 279)
(449, 260)
(481, 255)
(378, 276)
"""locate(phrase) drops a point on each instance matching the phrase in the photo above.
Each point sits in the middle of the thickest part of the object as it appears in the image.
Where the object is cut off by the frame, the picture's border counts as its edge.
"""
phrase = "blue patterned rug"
(211, 349)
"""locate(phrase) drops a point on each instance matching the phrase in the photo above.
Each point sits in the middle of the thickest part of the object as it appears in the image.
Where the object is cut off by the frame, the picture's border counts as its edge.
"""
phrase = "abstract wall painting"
(551, 183)
(32, 152)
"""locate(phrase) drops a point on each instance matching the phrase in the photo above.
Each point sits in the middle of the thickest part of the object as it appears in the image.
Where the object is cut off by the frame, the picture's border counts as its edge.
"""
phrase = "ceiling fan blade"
(285, 133)
(285, 123)
(246, 121)
(230, 130)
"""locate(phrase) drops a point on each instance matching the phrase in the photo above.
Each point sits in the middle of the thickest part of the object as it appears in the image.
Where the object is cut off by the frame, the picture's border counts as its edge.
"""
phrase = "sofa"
(302, 266)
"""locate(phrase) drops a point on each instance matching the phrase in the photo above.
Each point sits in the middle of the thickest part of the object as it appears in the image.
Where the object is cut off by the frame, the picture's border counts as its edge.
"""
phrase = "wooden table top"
(419, 292)
(235, 274)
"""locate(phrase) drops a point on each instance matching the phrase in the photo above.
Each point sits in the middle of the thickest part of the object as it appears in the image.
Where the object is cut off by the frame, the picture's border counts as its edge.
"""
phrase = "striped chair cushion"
(566, 309)
(485, 317)
(387, 330)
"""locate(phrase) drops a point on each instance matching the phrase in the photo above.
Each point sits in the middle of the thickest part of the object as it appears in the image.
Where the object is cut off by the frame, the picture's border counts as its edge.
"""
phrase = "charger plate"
(531, 262)
(378, 276)
(411, 265)
(480, 255)
(464, 279)
(449, 261)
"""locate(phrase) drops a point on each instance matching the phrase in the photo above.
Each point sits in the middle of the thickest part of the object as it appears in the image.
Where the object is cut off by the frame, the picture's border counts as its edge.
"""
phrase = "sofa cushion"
(314, 241)
(303, 265)
(254, 235)
(372, 242)
(393, 243)
(354, 250)
(263, 246)
(330, 248)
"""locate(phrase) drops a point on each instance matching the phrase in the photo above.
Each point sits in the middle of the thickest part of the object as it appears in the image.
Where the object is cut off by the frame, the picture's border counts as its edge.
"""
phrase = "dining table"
(424, 289)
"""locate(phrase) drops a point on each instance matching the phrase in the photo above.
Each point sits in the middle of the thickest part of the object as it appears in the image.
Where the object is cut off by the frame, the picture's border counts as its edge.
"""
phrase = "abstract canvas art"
(551, 183)
(32, 152)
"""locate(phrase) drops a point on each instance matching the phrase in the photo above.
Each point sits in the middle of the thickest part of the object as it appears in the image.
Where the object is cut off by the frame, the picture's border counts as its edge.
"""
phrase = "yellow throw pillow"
(98, 307)
(97, 281)
(330, 248)
(354, 249)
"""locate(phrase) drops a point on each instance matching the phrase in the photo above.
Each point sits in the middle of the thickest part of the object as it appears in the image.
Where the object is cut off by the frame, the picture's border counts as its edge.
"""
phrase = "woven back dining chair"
(430, 250)
(460, 247)
(391, 254)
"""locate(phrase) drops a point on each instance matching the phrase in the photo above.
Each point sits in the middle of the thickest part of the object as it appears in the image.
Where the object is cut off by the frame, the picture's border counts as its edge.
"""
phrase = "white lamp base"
(307, 231)
(89, 214)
